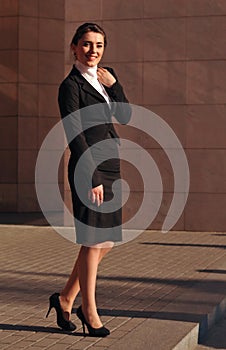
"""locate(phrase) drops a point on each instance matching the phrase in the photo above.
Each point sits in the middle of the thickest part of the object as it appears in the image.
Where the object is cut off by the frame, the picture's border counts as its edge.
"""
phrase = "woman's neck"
(91, 71)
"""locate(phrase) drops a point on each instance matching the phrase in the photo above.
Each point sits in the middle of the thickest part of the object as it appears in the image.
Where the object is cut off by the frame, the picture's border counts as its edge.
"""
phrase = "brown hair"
(85, 28)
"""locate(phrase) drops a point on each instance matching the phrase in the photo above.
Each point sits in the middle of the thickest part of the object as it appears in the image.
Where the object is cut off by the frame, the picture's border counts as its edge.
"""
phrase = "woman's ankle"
(64, 298)
(66, 303)
(91, 316)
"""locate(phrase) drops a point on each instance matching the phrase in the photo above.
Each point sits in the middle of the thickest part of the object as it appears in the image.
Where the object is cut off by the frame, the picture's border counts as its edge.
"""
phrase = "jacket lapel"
(85, 85)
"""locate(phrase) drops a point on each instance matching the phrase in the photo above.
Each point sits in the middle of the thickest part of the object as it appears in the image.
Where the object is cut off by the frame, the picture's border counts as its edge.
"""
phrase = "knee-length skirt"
(95, 224)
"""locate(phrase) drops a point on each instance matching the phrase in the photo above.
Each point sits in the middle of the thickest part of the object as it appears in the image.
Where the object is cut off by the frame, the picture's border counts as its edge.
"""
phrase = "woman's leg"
(72, 287)
(70, 291)
(87, 270)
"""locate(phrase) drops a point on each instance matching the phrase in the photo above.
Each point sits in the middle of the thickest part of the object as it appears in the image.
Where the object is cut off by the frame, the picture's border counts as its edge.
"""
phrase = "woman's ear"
(73, 49)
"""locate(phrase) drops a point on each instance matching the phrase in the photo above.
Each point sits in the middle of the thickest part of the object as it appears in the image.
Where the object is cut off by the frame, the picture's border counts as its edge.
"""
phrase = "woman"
(88, 97)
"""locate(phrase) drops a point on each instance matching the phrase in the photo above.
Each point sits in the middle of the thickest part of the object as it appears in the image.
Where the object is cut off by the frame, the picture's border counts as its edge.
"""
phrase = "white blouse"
(90, 74)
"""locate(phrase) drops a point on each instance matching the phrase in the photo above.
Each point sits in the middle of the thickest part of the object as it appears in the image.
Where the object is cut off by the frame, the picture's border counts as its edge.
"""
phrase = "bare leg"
(87, 268)
(70, 291)
(72, 287)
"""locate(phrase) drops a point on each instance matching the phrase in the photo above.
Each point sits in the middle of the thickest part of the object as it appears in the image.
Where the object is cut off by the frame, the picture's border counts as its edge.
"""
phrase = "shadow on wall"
(33, 219)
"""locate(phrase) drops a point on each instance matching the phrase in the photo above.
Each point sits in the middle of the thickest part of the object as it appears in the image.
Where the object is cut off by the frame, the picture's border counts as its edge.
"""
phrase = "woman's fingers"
(105, 77)
(101, 195)
(96, 195)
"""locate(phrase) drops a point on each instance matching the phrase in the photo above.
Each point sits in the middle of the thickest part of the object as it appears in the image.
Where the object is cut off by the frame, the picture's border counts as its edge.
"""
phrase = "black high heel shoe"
(54, 302)
(93, 332)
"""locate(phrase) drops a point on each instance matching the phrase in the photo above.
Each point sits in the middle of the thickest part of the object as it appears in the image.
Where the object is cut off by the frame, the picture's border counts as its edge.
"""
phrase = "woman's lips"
(92, 58)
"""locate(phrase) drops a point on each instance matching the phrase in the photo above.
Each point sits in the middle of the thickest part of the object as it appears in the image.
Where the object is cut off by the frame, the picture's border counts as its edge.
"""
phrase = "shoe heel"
(93, 332)
(83, 328)
(50, 308)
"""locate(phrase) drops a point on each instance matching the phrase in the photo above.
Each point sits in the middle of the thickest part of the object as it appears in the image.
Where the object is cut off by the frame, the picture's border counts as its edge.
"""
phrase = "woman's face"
(90, 49)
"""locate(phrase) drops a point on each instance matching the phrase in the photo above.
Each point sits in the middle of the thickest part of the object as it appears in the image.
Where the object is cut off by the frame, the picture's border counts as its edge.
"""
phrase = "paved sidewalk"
(158, 292)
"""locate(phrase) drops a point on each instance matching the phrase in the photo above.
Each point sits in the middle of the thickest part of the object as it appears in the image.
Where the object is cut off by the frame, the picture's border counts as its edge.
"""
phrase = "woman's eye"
(88, 44)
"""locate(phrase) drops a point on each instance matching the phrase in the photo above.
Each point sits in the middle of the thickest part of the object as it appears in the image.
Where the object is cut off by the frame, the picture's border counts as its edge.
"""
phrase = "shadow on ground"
(217, 336)
(38, 329)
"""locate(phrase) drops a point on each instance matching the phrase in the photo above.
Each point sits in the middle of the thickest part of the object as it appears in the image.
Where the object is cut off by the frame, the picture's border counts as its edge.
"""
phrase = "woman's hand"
(96, 195)
(105, 77)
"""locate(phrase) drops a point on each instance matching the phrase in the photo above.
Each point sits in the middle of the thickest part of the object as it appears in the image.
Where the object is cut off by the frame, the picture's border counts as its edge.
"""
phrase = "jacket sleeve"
(123, 110)
(68, 100)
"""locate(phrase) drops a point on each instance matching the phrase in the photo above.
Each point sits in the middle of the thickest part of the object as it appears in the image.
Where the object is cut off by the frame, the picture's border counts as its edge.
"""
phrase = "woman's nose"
(93, 48)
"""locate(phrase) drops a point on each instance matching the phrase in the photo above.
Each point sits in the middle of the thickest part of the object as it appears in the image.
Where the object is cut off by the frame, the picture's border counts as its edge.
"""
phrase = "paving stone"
(58, 347)
(117, 334)
(5, 341)
(131, 324)
(34, 347)
(82, 345)
(23, 344)
(68, 340)
(44, 343)
(96, 346)
(106, 342)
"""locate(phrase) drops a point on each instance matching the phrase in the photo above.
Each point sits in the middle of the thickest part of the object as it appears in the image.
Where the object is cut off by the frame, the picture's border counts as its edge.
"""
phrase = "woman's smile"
(92, 57)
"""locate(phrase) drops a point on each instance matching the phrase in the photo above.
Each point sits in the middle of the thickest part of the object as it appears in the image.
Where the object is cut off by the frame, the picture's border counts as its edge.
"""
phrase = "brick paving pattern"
(151, 291)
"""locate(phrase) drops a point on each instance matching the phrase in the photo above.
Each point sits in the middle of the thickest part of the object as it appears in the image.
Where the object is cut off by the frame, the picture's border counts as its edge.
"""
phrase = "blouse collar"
(89, 72)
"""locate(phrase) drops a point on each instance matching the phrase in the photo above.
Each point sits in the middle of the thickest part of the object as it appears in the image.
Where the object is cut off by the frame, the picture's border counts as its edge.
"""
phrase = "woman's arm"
(114, 89)
(68, 100)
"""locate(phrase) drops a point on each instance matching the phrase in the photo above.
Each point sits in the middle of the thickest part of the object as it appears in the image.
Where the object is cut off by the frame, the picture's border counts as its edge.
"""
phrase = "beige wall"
(171, 58)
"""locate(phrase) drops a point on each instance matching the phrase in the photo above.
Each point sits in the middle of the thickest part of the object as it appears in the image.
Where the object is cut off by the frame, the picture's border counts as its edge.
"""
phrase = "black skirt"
(95, 224)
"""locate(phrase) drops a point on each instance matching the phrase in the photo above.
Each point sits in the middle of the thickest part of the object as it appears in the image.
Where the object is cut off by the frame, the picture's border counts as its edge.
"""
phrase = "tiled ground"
(152, 290)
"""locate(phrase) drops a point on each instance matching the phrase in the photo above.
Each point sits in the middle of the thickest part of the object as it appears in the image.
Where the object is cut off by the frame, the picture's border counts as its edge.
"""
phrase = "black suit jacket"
(87, 120)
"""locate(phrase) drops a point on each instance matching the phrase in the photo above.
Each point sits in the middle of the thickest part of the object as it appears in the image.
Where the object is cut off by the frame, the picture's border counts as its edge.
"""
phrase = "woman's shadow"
(38, 329)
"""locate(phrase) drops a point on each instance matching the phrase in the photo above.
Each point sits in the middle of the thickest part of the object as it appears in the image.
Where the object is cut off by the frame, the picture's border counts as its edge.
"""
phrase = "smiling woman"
(96, 93)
